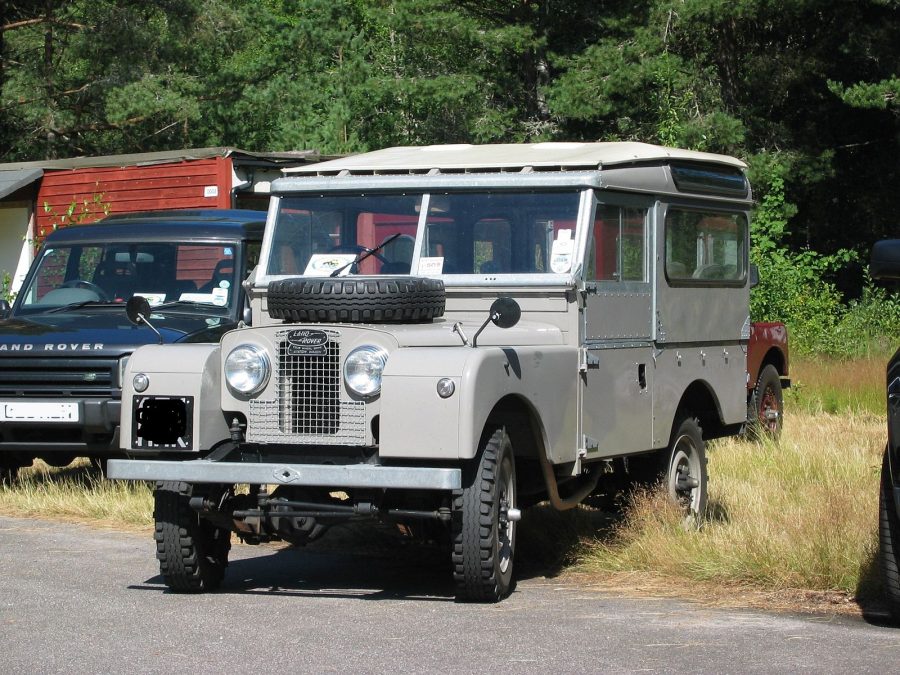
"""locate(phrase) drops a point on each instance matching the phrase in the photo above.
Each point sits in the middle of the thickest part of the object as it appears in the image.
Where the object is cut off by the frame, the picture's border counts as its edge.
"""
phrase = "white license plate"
(38, 411)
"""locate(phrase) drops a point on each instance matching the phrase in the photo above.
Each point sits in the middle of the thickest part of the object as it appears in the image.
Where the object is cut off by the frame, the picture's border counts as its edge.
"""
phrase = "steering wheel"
(87, 285)
(356, 248)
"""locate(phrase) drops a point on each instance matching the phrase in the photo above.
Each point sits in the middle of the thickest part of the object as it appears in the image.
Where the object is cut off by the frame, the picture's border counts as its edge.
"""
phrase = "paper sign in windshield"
(323, 264)
(562, 252)
(431, 265)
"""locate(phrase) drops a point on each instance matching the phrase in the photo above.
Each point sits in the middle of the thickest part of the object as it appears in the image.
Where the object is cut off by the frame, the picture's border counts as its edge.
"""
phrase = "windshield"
(87, 274)
(488, 232)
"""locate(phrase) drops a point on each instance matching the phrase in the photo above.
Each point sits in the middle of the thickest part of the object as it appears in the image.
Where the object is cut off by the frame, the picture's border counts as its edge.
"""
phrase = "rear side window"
(706, 247)
(619, 244)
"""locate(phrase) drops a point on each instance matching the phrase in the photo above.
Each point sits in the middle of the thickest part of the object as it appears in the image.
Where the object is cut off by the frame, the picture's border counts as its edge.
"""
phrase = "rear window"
(706, 247)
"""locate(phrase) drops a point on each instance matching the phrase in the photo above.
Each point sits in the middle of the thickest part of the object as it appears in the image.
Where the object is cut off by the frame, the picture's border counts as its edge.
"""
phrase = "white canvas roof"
(510, 157)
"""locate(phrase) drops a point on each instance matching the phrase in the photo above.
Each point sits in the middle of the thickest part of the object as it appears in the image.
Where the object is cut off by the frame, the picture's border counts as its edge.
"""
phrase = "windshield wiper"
(365, 253)
(173, 303)
(84, 303)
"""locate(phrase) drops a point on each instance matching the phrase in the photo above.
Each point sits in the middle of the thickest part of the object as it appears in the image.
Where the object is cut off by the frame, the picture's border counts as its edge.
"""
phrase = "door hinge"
(587, 361)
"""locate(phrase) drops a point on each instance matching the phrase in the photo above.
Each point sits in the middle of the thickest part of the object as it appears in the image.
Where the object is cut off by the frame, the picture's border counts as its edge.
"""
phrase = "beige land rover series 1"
(442, 336)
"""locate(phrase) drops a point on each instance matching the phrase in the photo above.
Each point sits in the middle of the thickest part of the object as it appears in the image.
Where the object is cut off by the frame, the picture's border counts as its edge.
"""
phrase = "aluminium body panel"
(180, 371)
(544, 378)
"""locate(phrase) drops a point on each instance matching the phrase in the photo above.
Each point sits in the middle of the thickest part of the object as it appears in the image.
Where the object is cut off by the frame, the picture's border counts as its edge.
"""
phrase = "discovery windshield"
(85, 275)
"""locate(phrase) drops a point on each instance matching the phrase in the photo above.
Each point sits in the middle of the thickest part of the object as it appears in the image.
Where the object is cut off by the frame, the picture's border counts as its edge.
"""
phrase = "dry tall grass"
(798, 514)
(78, 494)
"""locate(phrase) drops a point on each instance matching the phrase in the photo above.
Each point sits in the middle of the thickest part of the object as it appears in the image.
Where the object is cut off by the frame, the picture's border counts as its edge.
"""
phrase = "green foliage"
(806, 90)
(6, 292)
(794, 285)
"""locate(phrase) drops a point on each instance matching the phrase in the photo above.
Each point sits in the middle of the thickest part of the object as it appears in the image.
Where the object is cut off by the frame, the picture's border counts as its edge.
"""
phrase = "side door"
(617, 356)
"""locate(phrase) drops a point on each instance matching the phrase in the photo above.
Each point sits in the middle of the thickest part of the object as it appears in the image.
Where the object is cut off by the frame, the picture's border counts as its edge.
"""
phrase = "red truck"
(767, 376)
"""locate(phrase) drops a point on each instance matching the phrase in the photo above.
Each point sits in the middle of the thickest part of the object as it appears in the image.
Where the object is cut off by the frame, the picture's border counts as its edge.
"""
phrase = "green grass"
(833, 386)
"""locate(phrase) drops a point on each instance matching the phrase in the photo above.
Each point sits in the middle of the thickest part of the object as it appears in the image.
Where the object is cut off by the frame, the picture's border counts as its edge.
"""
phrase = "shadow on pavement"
(370, 562)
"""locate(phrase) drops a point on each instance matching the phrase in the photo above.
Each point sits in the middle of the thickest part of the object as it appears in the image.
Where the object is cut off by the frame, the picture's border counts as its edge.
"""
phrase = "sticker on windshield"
(153, 298)
(431, 265)
(220, 296)
(562, 252)
(228, 252)
(323, 264)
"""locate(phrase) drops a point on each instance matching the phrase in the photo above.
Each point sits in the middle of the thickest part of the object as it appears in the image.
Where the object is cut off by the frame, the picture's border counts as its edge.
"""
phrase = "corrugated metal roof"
(165, 157)
(10, 181)
(509, 157)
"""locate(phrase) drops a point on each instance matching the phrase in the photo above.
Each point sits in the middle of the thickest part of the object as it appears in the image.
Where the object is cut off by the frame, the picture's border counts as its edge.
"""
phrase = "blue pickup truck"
(65, 340)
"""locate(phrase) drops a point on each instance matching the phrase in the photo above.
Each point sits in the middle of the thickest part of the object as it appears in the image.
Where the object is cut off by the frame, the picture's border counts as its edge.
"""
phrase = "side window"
(619, 244)
(704, 246)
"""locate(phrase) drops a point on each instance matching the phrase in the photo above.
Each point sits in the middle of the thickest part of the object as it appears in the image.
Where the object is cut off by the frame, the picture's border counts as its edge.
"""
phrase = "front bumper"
(96, 430)
(321, 475)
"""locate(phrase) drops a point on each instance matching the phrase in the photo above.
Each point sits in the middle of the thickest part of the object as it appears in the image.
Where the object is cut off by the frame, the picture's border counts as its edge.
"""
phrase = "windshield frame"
(427, 188)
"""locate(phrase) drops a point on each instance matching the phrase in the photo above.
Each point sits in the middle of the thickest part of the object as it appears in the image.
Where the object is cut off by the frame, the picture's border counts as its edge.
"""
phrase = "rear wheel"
(888, 536)
(684, 469)
(484, 522)
(192, 552)
(766, 409)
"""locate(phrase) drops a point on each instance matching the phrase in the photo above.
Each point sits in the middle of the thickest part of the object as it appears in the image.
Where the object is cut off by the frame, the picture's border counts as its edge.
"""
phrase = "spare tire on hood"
(358, 299)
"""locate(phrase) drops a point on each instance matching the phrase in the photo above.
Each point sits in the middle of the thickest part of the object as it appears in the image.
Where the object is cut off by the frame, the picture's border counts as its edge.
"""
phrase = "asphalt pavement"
(76, 599)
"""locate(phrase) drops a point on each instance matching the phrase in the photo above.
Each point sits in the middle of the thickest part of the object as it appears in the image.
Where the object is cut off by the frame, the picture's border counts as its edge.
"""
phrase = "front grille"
(67, 377)
(309, 388)
(308, 409)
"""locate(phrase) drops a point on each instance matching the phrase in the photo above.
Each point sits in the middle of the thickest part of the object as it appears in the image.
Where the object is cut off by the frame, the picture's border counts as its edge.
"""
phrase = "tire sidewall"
(769, 381)
(686, 447)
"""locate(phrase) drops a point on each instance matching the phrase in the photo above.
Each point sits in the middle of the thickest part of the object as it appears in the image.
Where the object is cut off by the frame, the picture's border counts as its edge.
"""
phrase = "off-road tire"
(765, 410)
(192, 552)
(888, 540)
(483, 544)
(683, 469)
(374, 299)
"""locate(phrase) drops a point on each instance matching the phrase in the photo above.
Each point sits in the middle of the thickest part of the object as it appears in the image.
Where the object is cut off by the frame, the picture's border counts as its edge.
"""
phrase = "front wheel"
(484, 522)
(888, 534)
(192, 552)
(684, 469)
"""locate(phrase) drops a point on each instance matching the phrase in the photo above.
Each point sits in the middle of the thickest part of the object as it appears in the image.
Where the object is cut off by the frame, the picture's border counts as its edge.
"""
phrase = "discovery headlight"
(247, 369)
(363, 369)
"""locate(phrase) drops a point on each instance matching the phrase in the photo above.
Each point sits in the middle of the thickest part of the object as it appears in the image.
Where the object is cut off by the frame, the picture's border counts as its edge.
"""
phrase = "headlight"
(363, 369)
(247, 369)
(140, 382)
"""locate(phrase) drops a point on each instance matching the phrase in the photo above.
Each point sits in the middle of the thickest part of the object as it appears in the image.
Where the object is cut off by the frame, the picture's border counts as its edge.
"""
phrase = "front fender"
(177, 370)
(417, 423)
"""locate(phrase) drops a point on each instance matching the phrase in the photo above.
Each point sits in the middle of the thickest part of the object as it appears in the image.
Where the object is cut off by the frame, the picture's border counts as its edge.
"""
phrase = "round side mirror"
(505, 312)
(137, 309)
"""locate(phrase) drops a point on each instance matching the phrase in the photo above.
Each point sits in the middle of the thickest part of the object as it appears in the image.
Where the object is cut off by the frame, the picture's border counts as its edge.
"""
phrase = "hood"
(440, 333)
(102, 332)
